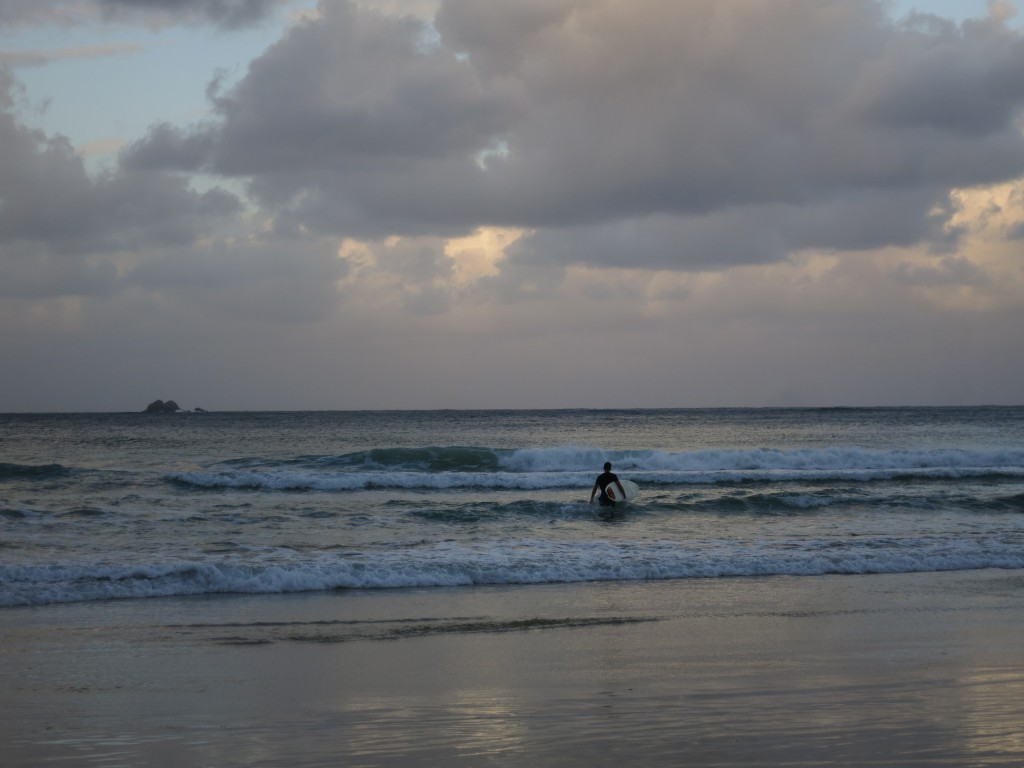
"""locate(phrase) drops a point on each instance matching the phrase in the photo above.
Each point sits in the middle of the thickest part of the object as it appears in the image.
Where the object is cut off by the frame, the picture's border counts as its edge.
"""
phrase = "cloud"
(721, 132)
(101, 147)
(952, 270)
(60, 227)
(978, 65)
(228, 14)
(754, 202)
(245, 280)
(743, 235)
(39, 57)
(364, 117)
(19, 12)
(225, 13)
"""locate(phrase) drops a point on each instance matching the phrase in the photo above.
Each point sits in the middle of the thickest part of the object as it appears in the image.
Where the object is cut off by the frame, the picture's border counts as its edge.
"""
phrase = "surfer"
(605, 479)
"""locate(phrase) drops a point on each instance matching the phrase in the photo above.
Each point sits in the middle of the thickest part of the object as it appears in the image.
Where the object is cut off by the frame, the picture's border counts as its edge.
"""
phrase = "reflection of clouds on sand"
(487, 724)
(472, 727)
(882, 670)
(991, 702)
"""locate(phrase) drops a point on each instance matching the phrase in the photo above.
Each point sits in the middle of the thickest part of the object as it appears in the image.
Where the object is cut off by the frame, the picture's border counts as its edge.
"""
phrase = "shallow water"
(908, 670)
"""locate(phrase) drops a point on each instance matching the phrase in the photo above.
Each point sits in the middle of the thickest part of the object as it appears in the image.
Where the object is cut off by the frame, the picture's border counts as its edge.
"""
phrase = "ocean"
(130, 506)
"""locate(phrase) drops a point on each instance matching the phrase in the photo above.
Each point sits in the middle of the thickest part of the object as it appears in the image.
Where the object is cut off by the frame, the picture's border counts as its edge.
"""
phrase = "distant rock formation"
(159, 406)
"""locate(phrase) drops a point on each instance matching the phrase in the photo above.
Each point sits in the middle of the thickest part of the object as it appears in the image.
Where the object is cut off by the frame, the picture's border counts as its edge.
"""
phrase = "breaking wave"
(448, 564)
(575, 467)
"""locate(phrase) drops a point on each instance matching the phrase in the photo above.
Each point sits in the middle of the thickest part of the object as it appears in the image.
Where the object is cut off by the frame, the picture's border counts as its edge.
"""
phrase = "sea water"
(105, 506)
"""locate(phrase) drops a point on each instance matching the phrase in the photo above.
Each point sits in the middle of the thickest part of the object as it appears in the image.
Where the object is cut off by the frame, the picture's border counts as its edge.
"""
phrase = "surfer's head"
(607, 466)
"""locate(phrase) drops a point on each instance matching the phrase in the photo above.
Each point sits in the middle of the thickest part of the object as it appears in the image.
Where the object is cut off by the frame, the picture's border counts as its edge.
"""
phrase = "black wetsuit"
(603, 481)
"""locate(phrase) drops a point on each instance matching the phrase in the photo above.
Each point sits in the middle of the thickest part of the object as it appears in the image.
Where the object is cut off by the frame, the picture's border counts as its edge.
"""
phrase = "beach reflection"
(470, 725)
(893, 671)
(487, 725)
(993, 707)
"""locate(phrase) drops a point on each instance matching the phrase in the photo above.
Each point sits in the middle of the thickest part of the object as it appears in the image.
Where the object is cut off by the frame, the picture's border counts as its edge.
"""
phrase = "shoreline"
(906, 669)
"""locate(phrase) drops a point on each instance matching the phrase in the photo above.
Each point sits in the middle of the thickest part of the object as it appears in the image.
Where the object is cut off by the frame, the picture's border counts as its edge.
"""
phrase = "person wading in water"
(601, 484)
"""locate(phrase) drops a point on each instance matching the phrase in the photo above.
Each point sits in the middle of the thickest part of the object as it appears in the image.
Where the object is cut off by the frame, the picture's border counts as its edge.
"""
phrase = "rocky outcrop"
(159, 406)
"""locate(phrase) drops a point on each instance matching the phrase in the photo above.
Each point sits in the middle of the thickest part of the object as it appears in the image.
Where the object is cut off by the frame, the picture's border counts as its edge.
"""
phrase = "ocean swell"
(450, 564)
(574, 467)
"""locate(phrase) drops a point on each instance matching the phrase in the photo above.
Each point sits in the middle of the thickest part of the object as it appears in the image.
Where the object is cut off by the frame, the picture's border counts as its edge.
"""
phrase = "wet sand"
(903, 670)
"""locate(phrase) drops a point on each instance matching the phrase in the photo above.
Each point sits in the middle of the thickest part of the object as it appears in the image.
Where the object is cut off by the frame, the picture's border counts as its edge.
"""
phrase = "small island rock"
(159, 406)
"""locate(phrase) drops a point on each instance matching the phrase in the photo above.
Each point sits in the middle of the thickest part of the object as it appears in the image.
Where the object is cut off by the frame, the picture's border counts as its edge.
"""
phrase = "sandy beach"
(920, 669)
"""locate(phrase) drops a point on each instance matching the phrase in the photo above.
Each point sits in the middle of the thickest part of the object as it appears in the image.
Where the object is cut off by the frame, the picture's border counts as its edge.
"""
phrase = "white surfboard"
(631, 489)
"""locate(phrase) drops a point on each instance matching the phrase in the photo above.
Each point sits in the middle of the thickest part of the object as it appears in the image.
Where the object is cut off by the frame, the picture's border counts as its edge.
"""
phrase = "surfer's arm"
(621, 489)
(592, 492)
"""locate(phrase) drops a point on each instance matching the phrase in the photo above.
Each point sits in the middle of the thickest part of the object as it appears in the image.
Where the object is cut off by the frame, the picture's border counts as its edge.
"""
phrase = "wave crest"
(446, 564)
(576, 467)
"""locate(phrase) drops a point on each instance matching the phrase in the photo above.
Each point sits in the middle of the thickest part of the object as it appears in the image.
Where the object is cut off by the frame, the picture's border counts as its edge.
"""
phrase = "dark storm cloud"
(758, 126)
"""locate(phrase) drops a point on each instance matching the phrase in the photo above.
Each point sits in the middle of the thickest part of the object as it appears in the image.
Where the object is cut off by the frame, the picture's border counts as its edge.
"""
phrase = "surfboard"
(631, 489)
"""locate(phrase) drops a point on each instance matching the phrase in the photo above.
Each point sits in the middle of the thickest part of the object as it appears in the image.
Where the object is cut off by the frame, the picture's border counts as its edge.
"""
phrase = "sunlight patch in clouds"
(422, 275)
(478, 255)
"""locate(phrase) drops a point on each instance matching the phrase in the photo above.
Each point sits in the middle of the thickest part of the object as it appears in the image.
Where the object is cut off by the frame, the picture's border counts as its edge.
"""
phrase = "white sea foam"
(287, 480)
(573, 467)
(841, 459)
(447, 564)
(282, 502)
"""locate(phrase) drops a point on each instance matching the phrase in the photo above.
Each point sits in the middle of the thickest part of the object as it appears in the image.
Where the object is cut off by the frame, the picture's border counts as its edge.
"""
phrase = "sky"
(292, 204)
